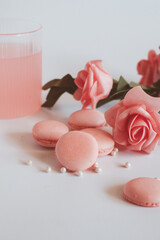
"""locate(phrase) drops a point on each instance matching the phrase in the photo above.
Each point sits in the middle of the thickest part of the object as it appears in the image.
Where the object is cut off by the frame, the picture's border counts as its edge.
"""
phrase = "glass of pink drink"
(20, 68)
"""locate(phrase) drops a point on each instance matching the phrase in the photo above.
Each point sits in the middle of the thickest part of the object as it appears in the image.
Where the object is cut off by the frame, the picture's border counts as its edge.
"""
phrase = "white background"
(36, 205)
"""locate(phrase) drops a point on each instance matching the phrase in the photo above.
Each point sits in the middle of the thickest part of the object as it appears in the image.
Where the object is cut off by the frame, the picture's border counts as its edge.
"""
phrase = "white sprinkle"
(63, 170)
(115, 150)
(29, 162)
(98, 169)
(79, 173)
(157, 178)
(113, 153)
(48, 169)
(96, 165)
(127, 164)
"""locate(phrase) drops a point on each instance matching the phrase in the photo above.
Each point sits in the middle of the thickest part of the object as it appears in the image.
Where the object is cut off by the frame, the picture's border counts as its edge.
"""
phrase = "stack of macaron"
(78, 149)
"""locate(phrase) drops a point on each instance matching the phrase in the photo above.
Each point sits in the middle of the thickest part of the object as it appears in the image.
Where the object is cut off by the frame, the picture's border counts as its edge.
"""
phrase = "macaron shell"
(46, 143)
(143, 191)
(104, 139)
(76, 151)
(47, 133)
(86, 118)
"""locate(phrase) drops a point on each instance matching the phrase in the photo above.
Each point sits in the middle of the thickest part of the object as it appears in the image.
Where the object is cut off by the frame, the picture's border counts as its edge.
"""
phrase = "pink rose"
(135, 121)
(93, 84)
(149, 69)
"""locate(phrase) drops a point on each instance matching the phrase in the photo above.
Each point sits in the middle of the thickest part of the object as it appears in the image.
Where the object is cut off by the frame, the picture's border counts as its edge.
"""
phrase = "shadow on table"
(29, 149)
(25, 144)
(116, 192)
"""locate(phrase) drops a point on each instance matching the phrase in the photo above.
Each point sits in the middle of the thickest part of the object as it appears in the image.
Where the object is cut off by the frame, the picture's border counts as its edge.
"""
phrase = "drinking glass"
(20, 67)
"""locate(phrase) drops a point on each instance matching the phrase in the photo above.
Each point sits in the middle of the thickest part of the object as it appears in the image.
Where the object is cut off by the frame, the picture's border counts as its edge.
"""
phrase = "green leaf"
(51, 83)
(156, 84)
(122, 84)
(57, 88)
(120, 88)
(115, 96)
(53, 96)
(66, 82)
(133, 84)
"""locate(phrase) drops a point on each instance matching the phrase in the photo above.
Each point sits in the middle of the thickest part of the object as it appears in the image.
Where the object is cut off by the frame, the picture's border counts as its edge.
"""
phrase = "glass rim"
(16, 33)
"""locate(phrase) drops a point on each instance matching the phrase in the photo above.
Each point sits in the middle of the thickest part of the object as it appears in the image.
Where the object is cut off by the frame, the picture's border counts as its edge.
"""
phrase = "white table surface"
(37, 205)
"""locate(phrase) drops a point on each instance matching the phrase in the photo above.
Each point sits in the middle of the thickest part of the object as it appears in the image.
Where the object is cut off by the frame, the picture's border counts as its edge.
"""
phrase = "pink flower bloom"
(149, 69)
(135, 121)
(93, 84)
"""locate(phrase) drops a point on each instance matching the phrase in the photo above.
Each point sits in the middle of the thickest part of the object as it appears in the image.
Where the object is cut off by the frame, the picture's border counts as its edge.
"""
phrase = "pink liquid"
(20, 85)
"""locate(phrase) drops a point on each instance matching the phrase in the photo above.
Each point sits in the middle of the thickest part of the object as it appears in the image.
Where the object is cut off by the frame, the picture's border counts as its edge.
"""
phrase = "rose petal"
(120, 137)
(140, 122)
(80, 79)
(124, 113)
(98, 64)
(137, 96)
(86, 99)
(151, 135)
(111, 113)
(78, 94)
(158, 62)
(142, 66)
(138, 135)
(105, 82)
(89, 82)
(151, 55)
(93, 90)
(137, 147)
(152, 145)
(130, 124)
(156, 125)
(148, 76)
(93, 95)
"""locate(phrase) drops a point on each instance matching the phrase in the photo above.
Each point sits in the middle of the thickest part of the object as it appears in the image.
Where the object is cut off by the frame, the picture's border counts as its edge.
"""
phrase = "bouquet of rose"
(135, 119)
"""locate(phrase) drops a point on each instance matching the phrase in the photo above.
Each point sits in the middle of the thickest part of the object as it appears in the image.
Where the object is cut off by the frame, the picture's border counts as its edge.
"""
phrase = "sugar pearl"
(157, 178)
(115, 150)
(63, 170)
(96, 164)
(113, 153)
(29, 162)
(127, 164)
(98, 169)
(48, 169)
(79, 173)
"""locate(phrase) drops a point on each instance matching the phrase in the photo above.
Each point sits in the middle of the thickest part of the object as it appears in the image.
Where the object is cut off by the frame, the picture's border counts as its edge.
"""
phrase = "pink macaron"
(86, 118)
(46, 133)
(76, 151)
(143, 191)
(104, 139)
